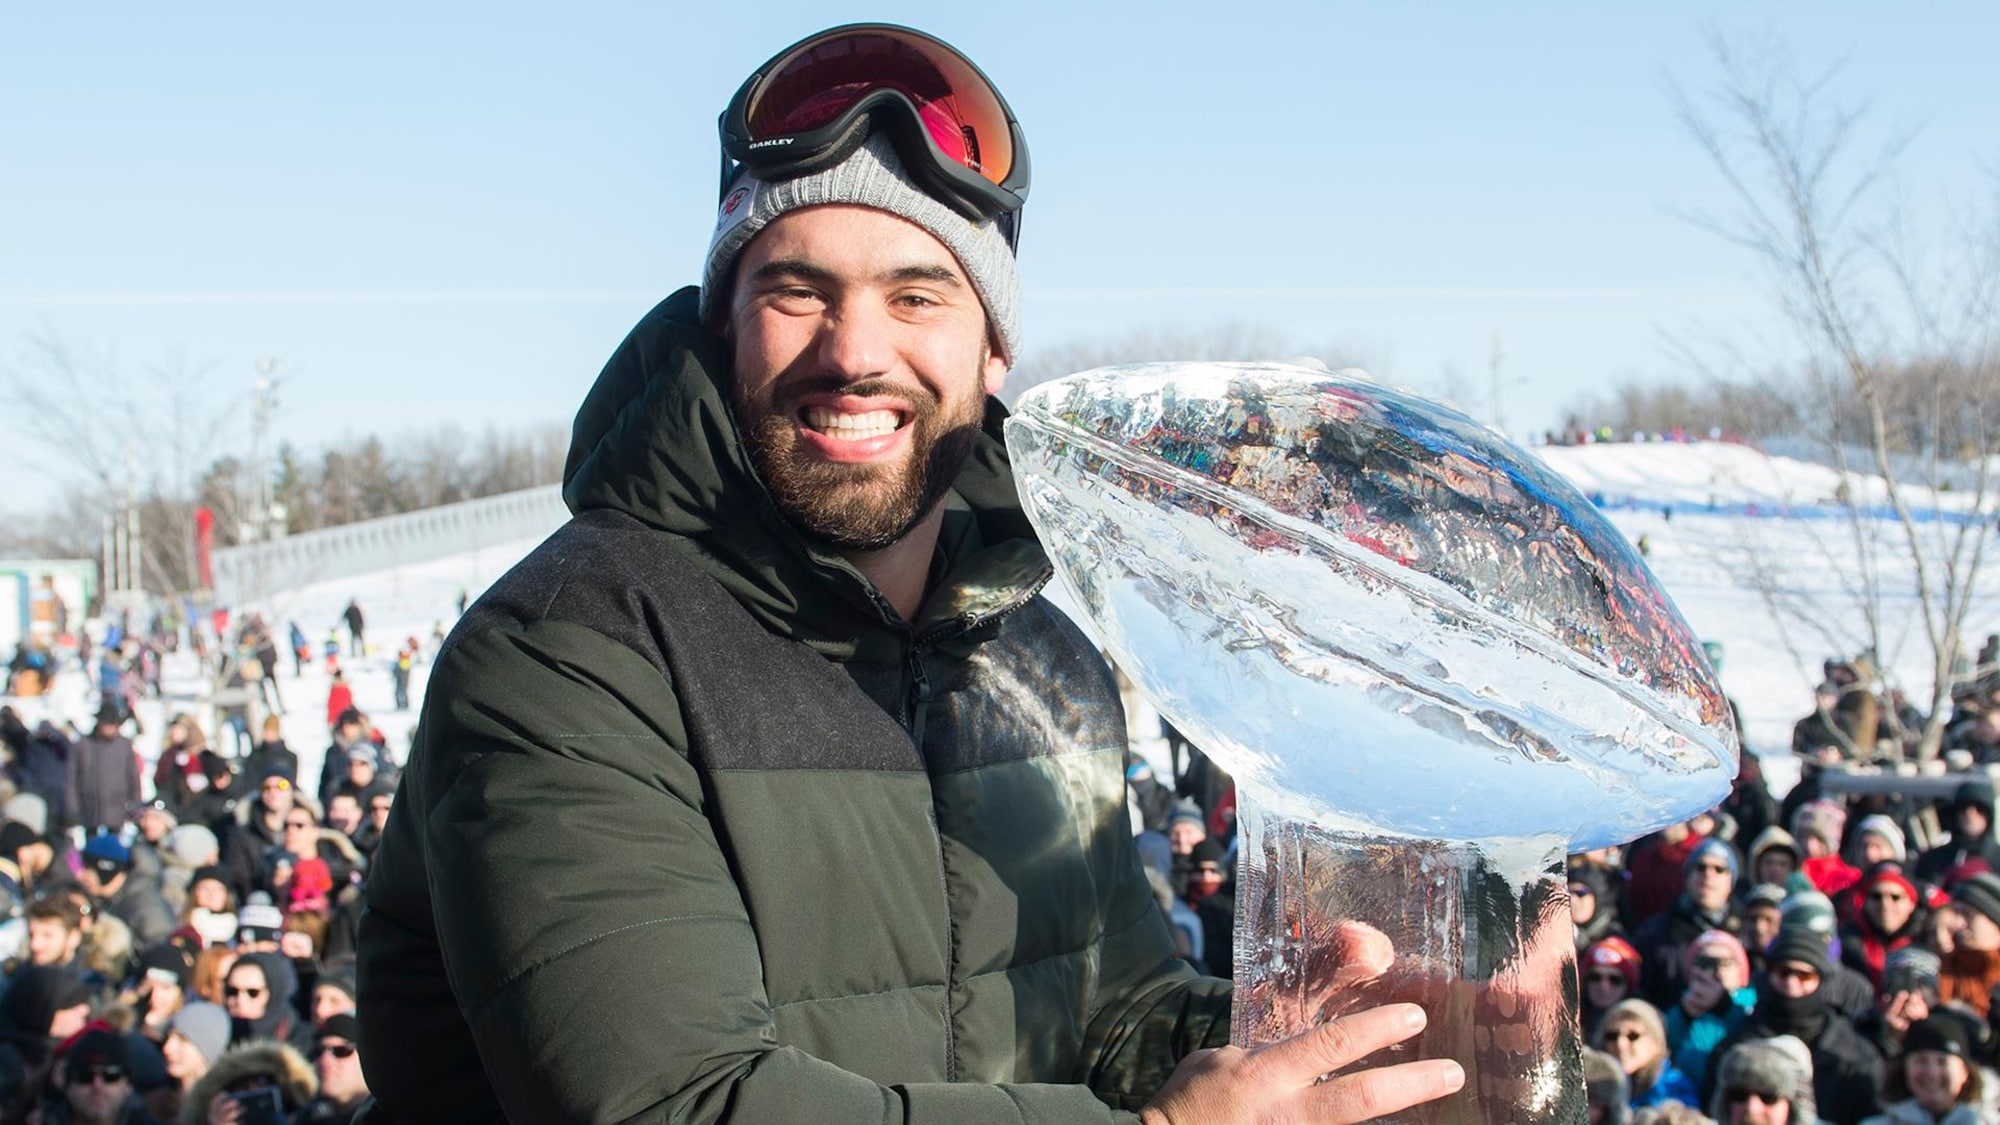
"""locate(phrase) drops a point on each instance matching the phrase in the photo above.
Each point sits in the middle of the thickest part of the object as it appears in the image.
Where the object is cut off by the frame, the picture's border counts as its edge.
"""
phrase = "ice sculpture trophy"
(1432, 667)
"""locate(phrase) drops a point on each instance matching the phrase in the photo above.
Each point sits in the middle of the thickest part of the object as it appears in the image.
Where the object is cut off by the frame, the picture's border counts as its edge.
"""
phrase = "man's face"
(1979, 932)
(378, 810)
(1795, 979)
(1888, 906)
(1761, 925)
(97, 1092)
(276, 793)
(344, 813)
(1183, 835)
(1875, 849)
(339, 1067)
(329, 1001)
(1775, 866)
(361, 771)
(1708, 882)
(50, 942)
(153, 825)
(185, 1062)
(1582, 903)
(1971, 823)
(862, 368)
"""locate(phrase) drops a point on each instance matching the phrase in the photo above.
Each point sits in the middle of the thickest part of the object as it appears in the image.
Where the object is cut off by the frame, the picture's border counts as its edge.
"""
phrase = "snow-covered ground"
(1775, 590)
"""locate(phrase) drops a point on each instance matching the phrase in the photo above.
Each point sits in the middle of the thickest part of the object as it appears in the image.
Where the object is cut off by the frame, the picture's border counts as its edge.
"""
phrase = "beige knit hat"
(871, 176)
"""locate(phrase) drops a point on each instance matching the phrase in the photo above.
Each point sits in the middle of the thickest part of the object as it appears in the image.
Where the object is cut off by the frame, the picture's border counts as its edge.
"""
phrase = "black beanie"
(1794, 943)
(1981, 892)
(1939, 1033)
(14, 836)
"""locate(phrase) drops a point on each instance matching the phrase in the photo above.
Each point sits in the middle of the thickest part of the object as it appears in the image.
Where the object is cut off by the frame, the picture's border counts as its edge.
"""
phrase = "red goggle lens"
(821, 79)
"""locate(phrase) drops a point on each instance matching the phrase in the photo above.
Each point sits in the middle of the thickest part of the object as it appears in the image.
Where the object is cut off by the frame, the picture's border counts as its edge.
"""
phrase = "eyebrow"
(804, 270)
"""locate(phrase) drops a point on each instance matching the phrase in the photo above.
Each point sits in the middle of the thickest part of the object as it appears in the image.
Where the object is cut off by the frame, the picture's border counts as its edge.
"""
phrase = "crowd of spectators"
(178, 941)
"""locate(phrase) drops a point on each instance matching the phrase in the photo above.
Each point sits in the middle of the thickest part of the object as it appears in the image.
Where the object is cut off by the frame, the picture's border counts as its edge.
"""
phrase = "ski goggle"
(809, 107)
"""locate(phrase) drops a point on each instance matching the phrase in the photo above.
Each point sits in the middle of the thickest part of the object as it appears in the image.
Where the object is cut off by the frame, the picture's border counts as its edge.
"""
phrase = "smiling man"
(769, 789)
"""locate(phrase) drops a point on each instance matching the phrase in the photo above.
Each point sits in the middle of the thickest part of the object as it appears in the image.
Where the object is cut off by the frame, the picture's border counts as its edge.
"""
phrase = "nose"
(856, 341)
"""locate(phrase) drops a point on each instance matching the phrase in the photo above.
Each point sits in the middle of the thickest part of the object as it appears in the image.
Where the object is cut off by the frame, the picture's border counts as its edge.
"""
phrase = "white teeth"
(872, 423)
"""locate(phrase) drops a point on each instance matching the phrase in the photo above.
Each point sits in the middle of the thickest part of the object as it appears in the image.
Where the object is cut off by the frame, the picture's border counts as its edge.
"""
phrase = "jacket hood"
(281, 1061)
(656, 440)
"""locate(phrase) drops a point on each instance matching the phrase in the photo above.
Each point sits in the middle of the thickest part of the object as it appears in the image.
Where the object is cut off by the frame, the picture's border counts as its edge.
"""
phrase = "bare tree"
(1891, 339)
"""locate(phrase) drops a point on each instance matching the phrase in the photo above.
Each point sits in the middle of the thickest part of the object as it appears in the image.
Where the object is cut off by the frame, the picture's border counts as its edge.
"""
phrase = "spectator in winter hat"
(97, 1082)
(1765, 1082)
(1877, 839)
(29, 809)
(1633, 1033)
(1846, 1069)
(342, 1088)
(1716, 1001)
(1762, 912)
(1185, 828)
(1909, 994)
(257, 992)
(334, 992)
(1819, 826)
(1970, 818)
(107, 878)
(166, 972)
(1891, 917)
(1972, 968)
(1704, 904)
(196, 1038)
(1936, 1080)
(1774, 855)
(1610, 970)
(253, 1066)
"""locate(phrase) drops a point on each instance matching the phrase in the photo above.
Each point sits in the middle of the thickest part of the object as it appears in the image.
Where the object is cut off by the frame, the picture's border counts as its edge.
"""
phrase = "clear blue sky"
(438, 212)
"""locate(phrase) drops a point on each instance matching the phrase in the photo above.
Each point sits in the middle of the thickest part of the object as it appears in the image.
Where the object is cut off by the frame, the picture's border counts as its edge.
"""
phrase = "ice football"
(1369, 608)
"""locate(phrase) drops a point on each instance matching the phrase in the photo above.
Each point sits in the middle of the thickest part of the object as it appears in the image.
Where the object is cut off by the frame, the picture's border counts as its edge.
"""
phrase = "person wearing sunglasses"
(770, 788)
(1765, 1082)
(97, 1083)
(1891, 917)
(258, 995)
(1708, 878)
(1635, 1035)
(342, 1086)
(1792, 1000)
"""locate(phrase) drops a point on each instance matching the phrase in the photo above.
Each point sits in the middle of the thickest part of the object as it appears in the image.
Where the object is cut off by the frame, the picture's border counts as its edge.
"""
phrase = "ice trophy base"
(1481, 938)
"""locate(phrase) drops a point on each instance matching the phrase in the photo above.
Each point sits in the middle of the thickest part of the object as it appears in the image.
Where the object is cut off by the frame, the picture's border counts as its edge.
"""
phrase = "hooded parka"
(697, 828)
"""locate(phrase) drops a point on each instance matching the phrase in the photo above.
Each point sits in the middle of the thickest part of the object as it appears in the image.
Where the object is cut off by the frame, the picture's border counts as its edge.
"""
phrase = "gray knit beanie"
(1781, 1065)
(204, 1025)
(871, 176)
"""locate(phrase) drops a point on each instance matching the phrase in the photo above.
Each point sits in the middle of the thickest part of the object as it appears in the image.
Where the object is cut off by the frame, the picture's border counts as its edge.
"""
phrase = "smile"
(851, 426)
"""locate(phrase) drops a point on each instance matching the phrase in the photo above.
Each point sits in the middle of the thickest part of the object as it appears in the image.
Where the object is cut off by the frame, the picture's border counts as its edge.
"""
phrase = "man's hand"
(1282, 1081)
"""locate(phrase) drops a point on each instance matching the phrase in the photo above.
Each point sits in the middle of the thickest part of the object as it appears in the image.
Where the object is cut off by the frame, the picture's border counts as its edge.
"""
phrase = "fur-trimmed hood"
(295, 1076)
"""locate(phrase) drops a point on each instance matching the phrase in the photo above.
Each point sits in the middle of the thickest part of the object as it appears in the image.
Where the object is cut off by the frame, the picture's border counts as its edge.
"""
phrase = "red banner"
(204, 545)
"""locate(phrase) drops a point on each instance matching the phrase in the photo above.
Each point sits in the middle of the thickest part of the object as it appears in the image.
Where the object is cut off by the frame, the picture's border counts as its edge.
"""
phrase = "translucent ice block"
(1430, 664)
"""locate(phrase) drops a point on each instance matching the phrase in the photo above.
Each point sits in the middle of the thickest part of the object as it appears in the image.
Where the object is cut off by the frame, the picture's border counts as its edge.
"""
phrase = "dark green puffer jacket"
(697, 829)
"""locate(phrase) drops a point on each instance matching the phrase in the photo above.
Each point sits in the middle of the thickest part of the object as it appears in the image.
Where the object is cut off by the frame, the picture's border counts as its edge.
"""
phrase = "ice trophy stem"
(1331, 921)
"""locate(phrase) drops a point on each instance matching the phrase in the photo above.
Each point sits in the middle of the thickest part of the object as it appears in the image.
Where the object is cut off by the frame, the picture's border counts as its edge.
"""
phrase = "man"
(1909, 994)
(55, 931)
(772, 760)
(1891, 918)
(344, 812)
(351, 616)
(342, 1088)
(378, 801)
(97, 1083)
(1707, 880)
(107, 878)
(258, 829)
(271, 752)
(1971, 970)
(102, 781)
(350, 735)
(1766, 1082)
(1846, 1069)
(1970, 816)
(215, 806)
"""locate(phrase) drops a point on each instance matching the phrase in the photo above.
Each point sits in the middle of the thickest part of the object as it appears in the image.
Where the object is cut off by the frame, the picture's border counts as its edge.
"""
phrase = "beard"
(859, 507)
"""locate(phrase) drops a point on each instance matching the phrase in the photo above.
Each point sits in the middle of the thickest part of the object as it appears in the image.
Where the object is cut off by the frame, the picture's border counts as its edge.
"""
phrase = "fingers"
(1380, 1092)
(1305, 1057)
